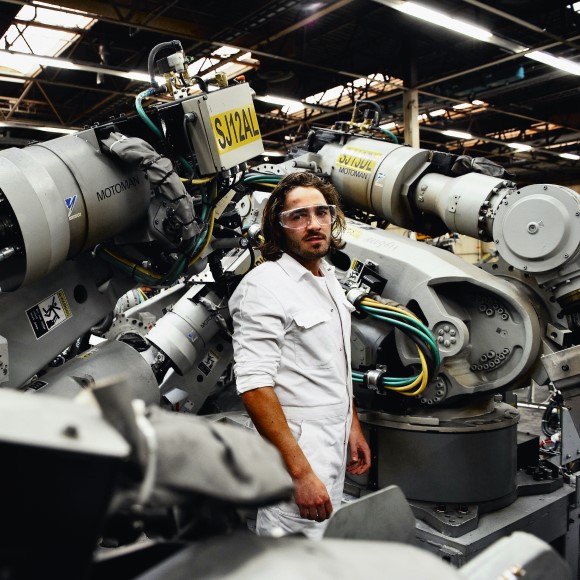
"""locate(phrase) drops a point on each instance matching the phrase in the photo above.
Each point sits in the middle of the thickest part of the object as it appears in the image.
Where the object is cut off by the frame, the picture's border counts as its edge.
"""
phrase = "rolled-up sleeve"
(259, 328)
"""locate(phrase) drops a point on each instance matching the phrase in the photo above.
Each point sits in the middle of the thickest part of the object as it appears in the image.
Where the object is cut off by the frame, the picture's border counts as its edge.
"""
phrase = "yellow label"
(235, 128)
(64, 303)
(355, 162)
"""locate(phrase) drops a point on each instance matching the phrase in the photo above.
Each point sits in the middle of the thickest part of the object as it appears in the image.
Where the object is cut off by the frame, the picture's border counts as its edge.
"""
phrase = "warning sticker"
(235, 128)
(49, 313)
(208, 362)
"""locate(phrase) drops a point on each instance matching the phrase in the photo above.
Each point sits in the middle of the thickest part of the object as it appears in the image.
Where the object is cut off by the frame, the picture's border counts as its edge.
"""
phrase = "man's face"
(313, 241)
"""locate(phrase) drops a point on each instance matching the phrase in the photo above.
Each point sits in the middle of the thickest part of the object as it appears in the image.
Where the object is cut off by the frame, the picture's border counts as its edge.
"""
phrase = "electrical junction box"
(225, 131)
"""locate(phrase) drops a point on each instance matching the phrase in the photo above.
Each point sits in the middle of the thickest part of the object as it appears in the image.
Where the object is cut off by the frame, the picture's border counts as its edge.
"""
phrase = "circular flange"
(537, 228)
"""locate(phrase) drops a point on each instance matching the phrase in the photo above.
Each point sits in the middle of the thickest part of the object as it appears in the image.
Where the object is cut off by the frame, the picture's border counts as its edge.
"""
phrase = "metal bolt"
(525, 268)
(566, 255)
(565, 368)
(71, 431)
(533, 228)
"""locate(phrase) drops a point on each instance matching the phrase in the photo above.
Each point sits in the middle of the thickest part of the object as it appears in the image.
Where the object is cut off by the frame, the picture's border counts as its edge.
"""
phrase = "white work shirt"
(286, 337)
(292, 333)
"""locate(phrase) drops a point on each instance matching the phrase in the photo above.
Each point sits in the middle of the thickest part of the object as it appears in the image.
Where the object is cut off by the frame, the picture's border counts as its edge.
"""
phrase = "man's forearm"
(268, 416)
(310, 493)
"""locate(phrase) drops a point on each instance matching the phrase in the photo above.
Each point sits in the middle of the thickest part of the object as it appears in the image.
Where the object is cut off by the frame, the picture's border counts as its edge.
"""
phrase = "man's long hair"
(273, 233)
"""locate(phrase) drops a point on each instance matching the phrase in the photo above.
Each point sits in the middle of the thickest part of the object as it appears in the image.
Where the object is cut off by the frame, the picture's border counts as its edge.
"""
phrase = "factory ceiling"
(486, 94)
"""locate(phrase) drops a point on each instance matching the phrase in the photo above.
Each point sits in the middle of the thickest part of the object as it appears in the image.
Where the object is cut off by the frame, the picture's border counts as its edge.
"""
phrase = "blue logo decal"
(70, 203)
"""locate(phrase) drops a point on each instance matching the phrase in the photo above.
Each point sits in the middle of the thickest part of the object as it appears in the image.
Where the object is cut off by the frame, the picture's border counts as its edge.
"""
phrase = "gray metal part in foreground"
(384, 515)
(107, 360)
(244, 556)
(518, 555)
(199, 457)
(52, 423)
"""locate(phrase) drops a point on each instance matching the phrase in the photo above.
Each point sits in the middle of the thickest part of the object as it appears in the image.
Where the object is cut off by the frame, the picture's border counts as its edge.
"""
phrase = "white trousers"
(324, 442)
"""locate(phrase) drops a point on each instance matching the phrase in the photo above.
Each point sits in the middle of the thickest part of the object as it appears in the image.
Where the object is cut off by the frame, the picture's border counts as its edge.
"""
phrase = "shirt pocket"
(310, 338)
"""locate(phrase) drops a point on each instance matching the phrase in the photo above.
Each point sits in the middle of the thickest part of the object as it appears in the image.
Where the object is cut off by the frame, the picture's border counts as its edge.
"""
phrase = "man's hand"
(359, 450)
(312, 498)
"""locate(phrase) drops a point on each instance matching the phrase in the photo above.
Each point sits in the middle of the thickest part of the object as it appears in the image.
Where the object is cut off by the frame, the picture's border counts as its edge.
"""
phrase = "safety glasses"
(300, 217)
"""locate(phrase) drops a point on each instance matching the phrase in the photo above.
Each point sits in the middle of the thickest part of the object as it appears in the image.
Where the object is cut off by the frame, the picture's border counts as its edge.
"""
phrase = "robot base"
(450, 464)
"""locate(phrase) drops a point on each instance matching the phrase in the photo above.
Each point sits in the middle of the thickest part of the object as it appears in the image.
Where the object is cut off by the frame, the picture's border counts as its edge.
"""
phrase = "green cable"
(151, 124)
(422, 332)
(390, 134)
(402, 324)
(262, 177)
(389, 381)
(143, 114)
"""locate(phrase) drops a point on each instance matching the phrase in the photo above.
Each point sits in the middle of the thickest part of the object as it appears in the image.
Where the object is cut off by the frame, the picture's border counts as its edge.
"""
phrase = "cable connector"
(356, 295)
(374, 378)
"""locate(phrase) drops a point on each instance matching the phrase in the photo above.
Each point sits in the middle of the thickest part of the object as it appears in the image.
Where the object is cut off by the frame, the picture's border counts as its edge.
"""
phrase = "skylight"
(31, 37)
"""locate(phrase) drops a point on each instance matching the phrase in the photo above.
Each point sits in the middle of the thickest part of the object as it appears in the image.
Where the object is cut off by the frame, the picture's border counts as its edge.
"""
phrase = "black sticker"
(36, 385)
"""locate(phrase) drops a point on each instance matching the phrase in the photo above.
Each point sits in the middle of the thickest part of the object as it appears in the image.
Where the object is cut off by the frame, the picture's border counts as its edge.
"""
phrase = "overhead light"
(437, 112)
(389, 126)
(462, 106)
(47, 128)
(282, 101)
(571, 156)
(135, 75)
(62, 63)
(458, 134)
(519, 146)
(274, 153)
(11, 80)
(62, 130)
(555, 61)
(441, 19)
(477, 102)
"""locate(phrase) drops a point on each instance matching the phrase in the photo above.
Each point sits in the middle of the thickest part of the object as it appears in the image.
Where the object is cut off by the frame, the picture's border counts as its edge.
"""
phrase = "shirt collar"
(296, 270)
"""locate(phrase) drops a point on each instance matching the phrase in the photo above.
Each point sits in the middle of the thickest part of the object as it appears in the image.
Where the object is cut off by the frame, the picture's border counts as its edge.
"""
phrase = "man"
(292, 354)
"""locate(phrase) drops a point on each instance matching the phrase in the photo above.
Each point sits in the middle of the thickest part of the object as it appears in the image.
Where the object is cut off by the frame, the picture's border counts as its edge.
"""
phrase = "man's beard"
(296, 248)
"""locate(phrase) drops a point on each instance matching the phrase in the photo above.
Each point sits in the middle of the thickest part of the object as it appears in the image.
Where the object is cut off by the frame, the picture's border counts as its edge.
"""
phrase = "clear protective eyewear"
(301, 217)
